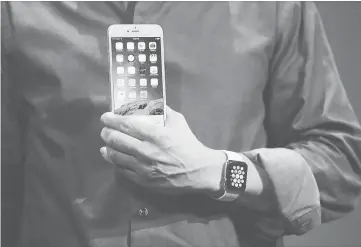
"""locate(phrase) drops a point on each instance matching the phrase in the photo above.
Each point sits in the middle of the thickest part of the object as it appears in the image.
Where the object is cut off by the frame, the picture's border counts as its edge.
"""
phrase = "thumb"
(171, 114)
(169, 110)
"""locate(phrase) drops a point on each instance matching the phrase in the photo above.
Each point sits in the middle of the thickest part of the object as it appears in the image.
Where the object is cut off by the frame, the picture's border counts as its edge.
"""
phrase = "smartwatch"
(234, 177)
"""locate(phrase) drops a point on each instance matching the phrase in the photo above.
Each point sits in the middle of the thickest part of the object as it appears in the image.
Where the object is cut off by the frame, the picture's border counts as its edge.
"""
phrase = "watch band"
(227, 195)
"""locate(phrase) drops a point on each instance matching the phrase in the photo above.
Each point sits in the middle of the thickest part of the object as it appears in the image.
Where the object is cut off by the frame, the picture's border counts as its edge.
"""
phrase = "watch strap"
(228, 196)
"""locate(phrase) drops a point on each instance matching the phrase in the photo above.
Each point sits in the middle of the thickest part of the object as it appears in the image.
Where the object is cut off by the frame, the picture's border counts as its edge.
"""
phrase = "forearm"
(291, 183)
(292, 188)
(259, 194)
(280, 184)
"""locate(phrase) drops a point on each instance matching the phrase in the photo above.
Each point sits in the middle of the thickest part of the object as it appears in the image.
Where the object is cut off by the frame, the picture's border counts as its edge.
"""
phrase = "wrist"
(213, 173)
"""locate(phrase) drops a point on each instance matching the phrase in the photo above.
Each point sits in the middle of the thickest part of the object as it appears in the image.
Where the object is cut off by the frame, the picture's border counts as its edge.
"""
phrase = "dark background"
(342, 21)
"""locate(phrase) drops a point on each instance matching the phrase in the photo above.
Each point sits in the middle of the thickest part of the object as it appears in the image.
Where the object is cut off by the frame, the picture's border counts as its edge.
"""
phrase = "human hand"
(167, 159)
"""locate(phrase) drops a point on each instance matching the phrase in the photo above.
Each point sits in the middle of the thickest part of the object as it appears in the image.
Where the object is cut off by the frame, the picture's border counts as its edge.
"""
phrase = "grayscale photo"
(180, 124)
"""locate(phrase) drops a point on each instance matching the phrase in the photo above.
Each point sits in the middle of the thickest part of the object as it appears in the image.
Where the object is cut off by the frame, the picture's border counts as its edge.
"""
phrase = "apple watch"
(234, 177)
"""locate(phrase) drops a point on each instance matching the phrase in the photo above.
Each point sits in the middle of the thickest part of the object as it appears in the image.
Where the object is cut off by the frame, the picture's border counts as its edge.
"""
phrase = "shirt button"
(143, 212)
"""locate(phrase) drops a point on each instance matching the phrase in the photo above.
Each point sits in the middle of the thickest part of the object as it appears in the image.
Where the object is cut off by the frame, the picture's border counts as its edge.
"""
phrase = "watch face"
(236, 176)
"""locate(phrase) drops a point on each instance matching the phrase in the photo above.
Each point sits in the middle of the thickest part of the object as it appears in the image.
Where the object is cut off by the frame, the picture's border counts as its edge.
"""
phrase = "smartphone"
(137, 78)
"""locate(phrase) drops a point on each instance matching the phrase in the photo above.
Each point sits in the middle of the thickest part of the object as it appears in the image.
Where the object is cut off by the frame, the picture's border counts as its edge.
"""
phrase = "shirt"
(257, 78)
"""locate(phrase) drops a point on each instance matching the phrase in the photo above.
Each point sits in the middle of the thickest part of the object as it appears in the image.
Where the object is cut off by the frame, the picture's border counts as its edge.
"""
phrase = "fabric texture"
(257, 78)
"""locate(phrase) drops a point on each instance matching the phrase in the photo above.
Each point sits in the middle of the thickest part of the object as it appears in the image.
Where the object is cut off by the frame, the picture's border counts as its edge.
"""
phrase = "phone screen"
(137, 76)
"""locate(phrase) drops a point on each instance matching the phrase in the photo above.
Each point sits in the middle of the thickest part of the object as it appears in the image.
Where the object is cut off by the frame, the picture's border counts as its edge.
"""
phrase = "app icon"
(143, 82)
(120, 70)
(142, 58)
(131, 70)
(130, 46)
(120, 82)
(154, 82)
(141, 46)
(153, 70)
(152, 45)
(121, 95)
(130, 58)
(143, 94)
(119, 58)
(132, 95)
(142, 70)
(131, 82)
(119, 46)
(153, 58)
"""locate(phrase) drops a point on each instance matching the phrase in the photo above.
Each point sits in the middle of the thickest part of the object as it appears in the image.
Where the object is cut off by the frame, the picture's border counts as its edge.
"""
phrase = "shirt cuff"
(294, 187)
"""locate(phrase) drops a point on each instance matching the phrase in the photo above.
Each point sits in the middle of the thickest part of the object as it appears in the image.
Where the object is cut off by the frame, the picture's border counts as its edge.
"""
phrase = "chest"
(216, 56)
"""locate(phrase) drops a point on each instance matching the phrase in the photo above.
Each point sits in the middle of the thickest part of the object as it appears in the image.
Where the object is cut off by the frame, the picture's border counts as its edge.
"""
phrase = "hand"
(168, 159)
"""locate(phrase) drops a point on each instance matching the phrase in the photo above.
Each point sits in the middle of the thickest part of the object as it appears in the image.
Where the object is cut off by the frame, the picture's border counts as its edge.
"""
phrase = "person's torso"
(216, 68)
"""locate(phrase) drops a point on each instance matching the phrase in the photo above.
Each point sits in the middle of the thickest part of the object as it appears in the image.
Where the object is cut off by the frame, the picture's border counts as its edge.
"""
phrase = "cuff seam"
(306, 221)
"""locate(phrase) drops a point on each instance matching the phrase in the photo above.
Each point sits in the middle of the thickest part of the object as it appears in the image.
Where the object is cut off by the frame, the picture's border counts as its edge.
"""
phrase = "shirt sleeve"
(314, 154)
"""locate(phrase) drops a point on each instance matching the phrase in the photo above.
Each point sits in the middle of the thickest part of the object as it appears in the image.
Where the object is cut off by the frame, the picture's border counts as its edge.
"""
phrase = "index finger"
(139, 127)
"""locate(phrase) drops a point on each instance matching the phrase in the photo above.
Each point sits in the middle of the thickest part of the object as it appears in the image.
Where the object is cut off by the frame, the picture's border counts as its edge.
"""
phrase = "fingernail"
(105, 116)
(102, 118)
(103, 151)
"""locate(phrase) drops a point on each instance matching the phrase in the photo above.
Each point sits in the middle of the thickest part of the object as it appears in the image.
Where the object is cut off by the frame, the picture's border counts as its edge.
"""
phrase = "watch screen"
(236, 175)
